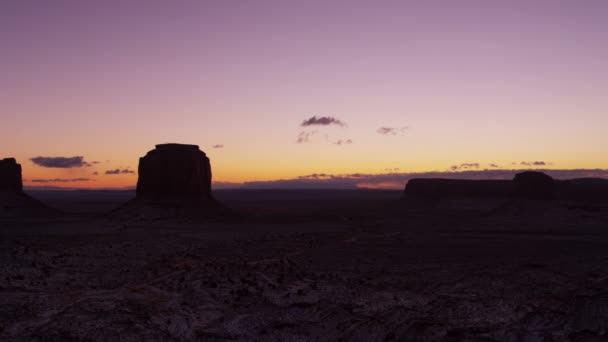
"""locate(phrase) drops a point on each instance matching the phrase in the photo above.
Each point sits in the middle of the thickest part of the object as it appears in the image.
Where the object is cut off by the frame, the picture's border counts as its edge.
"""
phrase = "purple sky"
(488, 82)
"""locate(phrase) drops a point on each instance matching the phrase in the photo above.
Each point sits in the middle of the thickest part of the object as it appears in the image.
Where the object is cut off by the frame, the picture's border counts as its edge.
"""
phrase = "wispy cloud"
(60, 162)
(322, 121)
(392, 130)
(218, 146)
(533, 163)
(119, 171)
(61, 180)
(343, 142)
(464, 166)
(316, 176)
(305, 136)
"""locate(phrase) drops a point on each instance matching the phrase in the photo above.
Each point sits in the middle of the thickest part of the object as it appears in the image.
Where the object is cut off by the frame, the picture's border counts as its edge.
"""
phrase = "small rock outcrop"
(534, 185)
(10, 175)
(174, 170)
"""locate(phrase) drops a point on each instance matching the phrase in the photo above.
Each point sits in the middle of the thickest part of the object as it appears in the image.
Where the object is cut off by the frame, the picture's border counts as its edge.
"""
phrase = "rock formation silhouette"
(527, 185)
(534, 185)
(174, 183)
(174, 169)
(13, 201)
(10, 175)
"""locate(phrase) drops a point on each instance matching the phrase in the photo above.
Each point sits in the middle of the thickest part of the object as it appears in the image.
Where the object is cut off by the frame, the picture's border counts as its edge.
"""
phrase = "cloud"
(533, 163)
(119, 171)
(305, 136)
(60, 162)
(398, 180)
(218, 146)
(61, 180)
(494, 165)
(95, 173)
(464, 166)
(343, 142)
(392, 130)
(322, 121)
(316, 176)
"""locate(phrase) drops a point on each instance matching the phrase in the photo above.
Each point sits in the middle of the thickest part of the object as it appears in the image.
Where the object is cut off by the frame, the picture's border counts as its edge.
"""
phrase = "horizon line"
(353, 181)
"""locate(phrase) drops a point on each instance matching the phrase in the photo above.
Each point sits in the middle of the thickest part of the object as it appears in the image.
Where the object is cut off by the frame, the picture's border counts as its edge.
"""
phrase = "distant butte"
(534, 185)
(13, 201)
(174, 169)
(174, 182)
(10, 175)
(527, 185)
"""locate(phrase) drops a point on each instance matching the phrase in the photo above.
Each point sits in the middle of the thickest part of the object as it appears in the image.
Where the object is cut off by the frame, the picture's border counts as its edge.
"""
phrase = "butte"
(174, 183)
(14, 203)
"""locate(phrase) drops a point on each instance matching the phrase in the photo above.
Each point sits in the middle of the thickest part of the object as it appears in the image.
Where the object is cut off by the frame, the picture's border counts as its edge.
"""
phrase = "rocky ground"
(311, 267)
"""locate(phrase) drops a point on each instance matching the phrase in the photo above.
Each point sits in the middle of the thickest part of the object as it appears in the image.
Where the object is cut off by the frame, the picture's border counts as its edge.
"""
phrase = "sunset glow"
(415, 86)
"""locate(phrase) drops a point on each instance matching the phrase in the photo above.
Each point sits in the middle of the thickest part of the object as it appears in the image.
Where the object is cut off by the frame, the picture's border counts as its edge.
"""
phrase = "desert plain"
(309, 265)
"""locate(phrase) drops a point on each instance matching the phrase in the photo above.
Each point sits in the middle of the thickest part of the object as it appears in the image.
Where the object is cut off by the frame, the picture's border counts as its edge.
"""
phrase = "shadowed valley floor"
(313, 265)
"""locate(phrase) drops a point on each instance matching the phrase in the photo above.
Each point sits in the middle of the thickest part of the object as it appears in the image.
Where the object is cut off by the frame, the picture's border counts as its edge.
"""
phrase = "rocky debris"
(174, 169)
(10, 175)
(534, 185)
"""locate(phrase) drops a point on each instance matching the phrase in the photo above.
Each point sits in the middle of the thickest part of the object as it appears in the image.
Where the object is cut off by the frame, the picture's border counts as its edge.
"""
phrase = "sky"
(275, 90)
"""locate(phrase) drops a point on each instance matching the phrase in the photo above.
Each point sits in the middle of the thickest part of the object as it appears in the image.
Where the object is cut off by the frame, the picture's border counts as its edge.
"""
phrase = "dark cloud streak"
(322, 121)
(119, 171)
(392, 130)
(61, 180)
(533, 163)
(60, 162)
(464, 166)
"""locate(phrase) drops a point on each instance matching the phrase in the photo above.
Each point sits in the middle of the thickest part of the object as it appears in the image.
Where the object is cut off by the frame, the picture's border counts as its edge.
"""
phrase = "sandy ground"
(308, 266)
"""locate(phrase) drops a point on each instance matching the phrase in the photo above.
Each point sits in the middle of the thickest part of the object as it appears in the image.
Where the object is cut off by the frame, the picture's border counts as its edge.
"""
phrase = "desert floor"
(307, 266)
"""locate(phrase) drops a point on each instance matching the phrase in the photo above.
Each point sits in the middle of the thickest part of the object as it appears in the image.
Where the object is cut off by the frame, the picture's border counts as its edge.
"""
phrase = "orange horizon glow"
(411, 86)
(239, 175)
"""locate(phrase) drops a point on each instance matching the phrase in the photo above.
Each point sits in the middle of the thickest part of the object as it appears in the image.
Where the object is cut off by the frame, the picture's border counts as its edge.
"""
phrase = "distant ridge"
(528, 184)
(397, 180)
